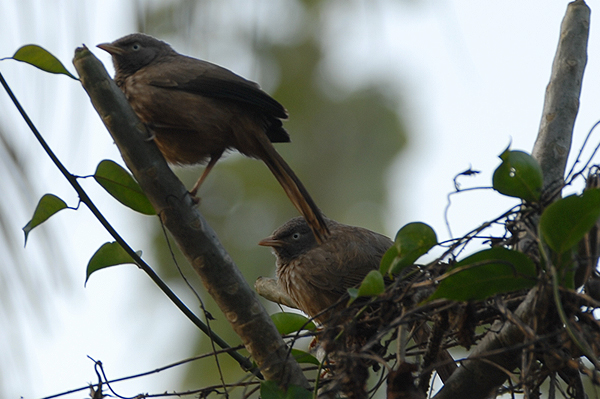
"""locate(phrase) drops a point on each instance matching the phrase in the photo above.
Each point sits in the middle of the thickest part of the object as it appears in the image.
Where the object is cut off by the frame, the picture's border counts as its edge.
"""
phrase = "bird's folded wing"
(211, 80)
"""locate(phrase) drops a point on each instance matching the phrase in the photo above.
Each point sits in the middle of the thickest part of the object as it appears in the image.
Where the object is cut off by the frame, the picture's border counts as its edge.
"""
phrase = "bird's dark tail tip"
(297, 193)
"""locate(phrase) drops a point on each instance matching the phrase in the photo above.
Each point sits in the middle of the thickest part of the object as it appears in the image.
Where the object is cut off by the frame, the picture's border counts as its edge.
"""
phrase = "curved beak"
(270, 242)
(110, 49)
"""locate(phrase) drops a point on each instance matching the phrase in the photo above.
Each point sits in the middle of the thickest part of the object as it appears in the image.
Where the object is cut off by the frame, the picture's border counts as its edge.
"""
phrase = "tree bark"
(561, 104)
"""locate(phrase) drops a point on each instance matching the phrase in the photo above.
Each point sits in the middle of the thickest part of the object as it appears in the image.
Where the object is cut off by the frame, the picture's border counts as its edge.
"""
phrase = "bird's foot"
(151, 134)
(195, 199)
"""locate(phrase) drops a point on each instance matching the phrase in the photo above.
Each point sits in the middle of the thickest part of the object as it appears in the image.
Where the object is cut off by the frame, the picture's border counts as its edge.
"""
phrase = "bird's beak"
(110, 49)
(270, 242)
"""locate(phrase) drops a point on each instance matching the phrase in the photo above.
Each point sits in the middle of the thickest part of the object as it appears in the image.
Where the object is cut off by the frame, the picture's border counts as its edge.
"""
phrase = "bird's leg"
(211, 163)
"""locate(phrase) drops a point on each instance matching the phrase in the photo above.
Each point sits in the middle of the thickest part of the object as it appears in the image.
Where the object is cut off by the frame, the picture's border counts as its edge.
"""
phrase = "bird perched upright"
(316, 275)
(196, 111)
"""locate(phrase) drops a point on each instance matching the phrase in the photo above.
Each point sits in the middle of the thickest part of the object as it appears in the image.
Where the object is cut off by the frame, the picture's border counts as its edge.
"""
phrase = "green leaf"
(298, 392)
(564, 223)
(412, 241)
(486, 273)
(109, 254)
(42, 59)
(519, 175)
(122, 186)
(566, 267)
(389, 259)
(272, 390)
(49, 204)
(288, 323)
(371, 285)
(304, 357)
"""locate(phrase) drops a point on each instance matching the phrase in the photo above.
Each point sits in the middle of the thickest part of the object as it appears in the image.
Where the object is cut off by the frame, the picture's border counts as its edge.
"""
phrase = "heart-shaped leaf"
(123, 187)
(109, 254)
(304, 357)
(519, 175)
(564, 223)
(486, 273)
(48, 205)
(389, 260)
(288, 323)
(42, 59)
(371, 285)
(412, 241)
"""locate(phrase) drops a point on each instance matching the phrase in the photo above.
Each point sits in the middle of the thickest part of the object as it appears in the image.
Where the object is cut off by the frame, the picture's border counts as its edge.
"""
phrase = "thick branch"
(197, 240)
(561, 104)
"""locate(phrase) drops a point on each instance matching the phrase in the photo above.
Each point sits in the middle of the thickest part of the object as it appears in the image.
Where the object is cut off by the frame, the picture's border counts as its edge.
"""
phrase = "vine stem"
(243, 361)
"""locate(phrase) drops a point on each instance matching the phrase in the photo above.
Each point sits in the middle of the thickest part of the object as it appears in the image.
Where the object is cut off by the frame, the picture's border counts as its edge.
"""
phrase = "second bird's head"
(291, 240)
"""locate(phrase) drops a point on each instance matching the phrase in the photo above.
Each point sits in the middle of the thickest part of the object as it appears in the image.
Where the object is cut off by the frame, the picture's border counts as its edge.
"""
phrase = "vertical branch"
(196, 239)
(561, 103)
(498, 353)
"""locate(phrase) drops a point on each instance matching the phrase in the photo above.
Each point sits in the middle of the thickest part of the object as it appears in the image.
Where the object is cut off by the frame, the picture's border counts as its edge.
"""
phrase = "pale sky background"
(472, 75)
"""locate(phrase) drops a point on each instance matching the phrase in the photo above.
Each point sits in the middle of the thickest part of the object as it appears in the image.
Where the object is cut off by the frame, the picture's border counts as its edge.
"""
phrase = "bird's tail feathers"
(296, 192)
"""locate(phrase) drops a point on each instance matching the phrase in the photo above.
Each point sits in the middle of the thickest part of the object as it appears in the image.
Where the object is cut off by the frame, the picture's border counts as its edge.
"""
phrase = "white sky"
(472, 75)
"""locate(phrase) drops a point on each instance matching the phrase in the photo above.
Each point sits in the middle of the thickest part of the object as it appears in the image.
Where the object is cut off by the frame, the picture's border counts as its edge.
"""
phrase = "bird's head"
(135, 51)
(291, 240)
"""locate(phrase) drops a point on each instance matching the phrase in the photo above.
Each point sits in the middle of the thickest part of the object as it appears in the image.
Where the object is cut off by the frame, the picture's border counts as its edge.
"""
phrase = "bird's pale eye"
(296, 236)
(136, 47)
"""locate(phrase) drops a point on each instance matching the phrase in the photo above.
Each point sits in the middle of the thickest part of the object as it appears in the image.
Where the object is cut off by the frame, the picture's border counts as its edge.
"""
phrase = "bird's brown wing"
(236, 91)
(257, 110)
(210, 80)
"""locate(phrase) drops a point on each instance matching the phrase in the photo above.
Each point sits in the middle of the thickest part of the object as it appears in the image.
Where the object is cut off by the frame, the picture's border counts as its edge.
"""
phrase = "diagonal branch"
(196, 239)
(84, 198)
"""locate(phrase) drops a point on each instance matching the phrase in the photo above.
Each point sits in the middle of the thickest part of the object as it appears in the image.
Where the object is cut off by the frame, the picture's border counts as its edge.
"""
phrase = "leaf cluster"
(475, 291)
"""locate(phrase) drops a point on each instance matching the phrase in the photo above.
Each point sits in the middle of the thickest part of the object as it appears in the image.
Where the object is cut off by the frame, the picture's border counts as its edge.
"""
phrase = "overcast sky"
(473, 77)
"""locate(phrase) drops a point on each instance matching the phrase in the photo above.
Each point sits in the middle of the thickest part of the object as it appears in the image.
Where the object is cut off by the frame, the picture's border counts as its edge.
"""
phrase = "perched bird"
(196, 111)
(315, 275)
